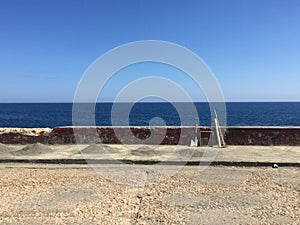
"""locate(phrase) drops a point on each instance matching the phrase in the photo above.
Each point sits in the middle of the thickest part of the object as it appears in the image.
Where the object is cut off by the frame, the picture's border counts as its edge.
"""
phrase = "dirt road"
(68, 194)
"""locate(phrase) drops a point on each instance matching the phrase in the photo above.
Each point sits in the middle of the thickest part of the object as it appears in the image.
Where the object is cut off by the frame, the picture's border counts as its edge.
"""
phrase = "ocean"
(29, 115)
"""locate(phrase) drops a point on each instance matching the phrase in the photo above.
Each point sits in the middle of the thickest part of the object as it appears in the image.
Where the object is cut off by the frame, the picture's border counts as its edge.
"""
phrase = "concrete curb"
(151, 162)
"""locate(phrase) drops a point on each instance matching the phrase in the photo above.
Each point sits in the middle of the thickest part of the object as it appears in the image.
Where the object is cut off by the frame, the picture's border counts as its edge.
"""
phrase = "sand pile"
(189, 153)
(34, 149)
(98, 149)
(4, 149)
(144, 151)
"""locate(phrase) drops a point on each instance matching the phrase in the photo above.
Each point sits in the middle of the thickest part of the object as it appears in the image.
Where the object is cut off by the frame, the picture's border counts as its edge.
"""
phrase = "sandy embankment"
(232, 155)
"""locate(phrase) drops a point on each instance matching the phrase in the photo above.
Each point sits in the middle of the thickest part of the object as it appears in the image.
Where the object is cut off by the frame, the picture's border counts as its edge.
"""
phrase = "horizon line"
(65, 102)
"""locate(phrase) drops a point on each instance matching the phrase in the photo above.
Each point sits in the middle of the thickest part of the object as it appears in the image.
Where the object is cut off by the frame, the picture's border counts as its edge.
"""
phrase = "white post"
(218, 133)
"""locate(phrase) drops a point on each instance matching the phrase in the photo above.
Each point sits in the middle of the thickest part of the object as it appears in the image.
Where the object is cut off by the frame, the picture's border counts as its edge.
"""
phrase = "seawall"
(256, 135)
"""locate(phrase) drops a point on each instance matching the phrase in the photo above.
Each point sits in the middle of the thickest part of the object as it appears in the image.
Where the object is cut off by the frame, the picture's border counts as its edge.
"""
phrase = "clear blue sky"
(252, 46)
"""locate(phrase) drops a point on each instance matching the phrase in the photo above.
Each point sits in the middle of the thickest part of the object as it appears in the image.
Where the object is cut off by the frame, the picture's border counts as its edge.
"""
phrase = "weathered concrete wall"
(263, 136)
(155, 135)
(125, 135)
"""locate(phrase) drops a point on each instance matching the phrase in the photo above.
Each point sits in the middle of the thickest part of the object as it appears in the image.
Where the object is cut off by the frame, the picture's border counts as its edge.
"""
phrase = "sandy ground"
(148, 194)
(276, 154)
(77, 194)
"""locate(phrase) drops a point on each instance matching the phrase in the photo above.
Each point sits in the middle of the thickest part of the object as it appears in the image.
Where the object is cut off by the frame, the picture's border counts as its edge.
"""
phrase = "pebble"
(67, 201)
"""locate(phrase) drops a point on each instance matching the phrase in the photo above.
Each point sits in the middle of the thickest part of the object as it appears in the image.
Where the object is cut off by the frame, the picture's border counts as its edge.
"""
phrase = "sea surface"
(29, 115)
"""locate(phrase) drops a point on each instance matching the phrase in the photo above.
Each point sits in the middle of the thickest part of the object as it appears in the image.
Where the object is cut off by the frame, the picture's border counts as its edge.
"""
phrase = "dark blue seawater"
(141, 114)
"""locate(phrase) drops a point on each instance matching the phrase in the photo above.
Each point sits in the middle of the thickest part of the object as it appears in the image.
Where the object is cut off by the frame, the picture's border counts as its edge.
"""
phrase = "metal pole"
(196, 130)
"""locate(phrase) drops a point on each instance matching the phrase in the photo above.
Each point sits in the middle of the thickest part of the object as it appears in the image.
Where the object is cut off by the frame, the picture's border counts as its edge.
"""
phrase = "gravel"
(64, 195)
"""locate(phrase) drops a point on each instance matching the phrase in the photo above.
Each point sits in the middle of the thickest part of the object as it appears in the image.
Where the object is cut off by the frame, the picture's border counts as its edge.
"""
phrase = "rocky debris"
(25, 135)
(275, 166)
(27, 131)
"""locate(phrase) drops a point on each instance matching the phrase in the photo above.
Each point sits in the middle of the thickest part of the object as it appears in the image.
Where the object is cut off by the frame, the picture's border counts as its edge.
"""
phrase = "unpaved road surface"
(70, 194)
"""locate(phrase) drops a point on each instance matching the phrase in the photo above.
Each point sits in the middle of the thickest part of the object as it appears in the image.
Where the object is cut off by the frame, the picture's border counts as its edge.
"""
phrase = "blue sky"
(252, 46)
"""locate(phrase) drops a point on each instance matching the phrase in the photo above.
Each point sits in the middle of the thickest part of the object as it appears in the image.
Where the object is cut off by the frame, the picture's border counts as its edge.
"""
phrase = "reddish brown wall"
(142, 135)
(263, 136)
